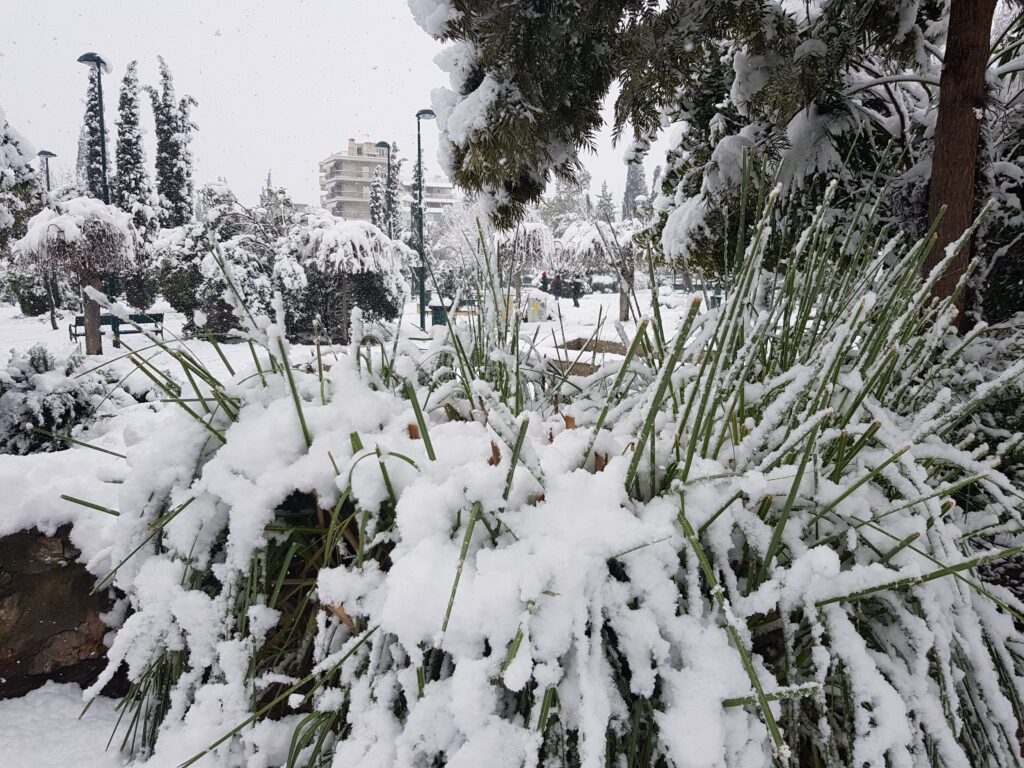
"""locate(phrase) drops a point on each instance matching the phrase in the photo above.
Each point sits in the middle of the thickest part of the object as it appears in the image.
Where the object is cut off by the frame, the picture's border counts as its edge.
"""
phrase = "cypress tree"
(636, 186)
(95, 139)
(173, 157)
(131, 192)
(416, 210)
(605, 208)
(378, 212)
(393, 195)
(82, 158)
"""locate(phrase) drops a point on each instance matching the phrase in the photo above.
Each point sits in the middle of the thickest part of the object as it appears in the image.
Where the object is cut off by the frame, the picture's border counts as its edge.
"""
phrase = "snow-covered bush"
(329, 265)
(453, 243)
(743, 544)
(41, 392)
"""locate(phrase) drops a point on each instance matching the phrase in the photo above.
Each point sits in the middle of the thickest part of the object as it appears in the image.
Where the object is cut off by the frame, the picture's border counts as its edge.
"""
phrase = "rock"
(50, 626)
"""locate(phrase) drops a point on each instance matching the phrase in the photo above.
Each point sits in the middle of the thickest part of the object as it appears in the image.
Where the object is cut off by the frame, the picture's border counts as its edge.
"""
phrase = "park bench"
(438, 312)
(120, 327)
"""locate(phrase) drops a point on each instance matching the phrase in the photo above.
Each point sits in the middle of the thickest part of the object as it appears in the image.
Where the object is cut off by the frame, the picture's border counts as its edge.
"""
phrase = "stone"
(50, 625)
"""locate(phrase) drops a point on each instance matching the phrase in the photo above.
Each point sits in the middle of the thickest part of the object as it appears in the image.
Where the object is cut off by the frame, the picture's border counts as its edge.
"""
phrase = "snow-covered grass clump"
(744, 544)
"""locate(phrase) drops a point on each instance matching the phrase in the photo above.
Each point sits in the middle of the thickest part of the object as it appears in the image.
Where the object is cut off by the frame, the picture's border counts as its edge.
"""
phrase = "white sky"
(281, 84)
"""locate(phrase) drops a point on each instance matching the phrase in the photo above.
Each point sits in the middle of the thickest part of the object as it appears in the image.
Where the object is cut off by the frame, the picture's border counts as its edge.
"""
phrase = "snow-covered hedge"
(748, 542)
(39, 391)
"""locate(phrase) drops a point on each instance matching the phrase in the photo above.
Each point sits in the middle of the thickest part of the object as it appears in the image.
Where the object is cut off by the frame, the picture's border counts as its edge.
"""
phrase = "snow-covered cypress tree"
(95, 139)
(416, 207)
(393, 195)
(378, 211)
(173, 158)
(605, 208)
(81, 159)
(636, 186)
(131, 191)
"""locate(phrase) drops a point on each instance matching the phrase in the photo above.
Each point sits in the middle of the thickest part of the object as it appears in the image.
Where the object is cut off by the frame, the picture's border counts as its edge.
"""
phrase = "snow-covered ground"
(43, 730)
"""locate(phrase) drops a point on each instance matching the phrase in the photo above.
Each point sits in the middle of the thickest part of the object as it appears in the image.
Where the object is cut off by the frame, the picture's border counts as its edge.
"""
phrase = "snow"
(42, 730)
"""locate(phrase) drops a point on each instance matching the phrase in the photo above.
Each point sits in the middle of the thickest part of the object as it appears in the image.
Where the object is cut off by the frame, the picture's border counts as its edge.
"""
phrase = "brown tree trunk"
(93, 339)
(48, 277)
(957, 132)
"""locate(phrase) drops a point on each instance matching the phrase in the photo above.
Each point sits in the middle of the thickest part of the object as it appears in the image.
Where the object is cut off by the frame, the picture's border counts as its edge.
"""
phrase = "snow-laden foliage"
(19, 185)
(81, 234)
(526, 246)
(174, 127)
(130, 190)
(95, 176)
(745, 543)
(330, 265)
(235, 256)
(42, 399)
(453, 245)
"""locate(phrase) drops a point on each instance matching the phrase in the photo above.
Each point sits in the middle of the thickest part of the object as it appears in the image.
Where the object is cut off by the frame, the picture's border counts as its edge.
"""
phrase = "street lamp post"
(423, 114)
(387, 187)
(95, 60)
(45, 155)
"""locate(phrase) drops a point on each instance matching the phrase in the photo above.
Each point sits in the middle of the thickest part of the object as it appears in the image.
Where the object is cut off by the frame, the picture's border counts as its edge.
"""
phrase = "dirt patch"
(574, 369)
(595, 345)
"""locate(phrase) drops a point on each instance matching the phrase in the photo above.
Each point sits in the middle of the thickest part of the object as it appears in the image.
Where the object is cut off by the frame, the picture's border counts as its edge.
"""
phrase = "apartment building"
(438, 194)
(345, 179)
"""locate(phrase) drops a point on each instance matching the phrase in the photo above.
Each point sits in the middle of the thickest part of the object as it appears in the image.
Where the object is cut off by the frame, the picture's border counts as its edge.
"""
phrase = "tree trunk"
(623, 301)
(345, 292)
(49, 298)
(93, 339)
(957, 131)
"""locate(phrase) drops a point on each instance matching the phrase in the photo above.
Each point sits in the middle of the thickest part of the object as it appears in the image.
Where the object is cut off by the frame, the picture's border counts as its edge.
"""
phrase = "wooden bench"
(120, 327)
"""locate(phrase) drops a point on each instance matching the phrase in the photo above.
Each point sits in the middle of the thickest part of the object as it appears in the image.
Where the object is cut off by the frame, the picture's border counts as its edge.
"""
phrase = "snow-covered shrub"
(743, 544)
(452, 247)
(343, 264)
(41, 392)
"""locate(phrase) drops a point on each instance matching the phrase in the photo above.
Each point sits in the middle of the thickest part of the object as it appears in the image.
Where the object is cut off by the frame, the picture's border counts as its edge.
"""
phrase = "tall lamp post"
(423, 114)
(387, 186)
(95, 60)
(44, 156)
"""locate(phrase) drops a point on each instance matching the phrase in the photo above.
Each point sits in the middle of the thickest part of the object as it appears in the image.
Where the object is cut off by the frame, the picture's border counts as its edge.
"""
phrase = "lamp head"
(45, 153)
(425, 114)
(94, 60)
(383, 145)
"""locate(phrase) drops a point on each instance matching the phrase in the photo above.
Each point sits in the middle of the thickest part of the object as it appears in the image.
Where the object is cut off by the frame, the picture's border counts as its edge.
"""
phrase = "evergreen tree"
(276, 213)
(378, 212)
(605, 208)
(174, 128)
(95, 139)
(82, 160)
(636, 186)
(416, 209)
(131, 191)
(393, 196)
(567, 204)
(20, 191)
(792, 88)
